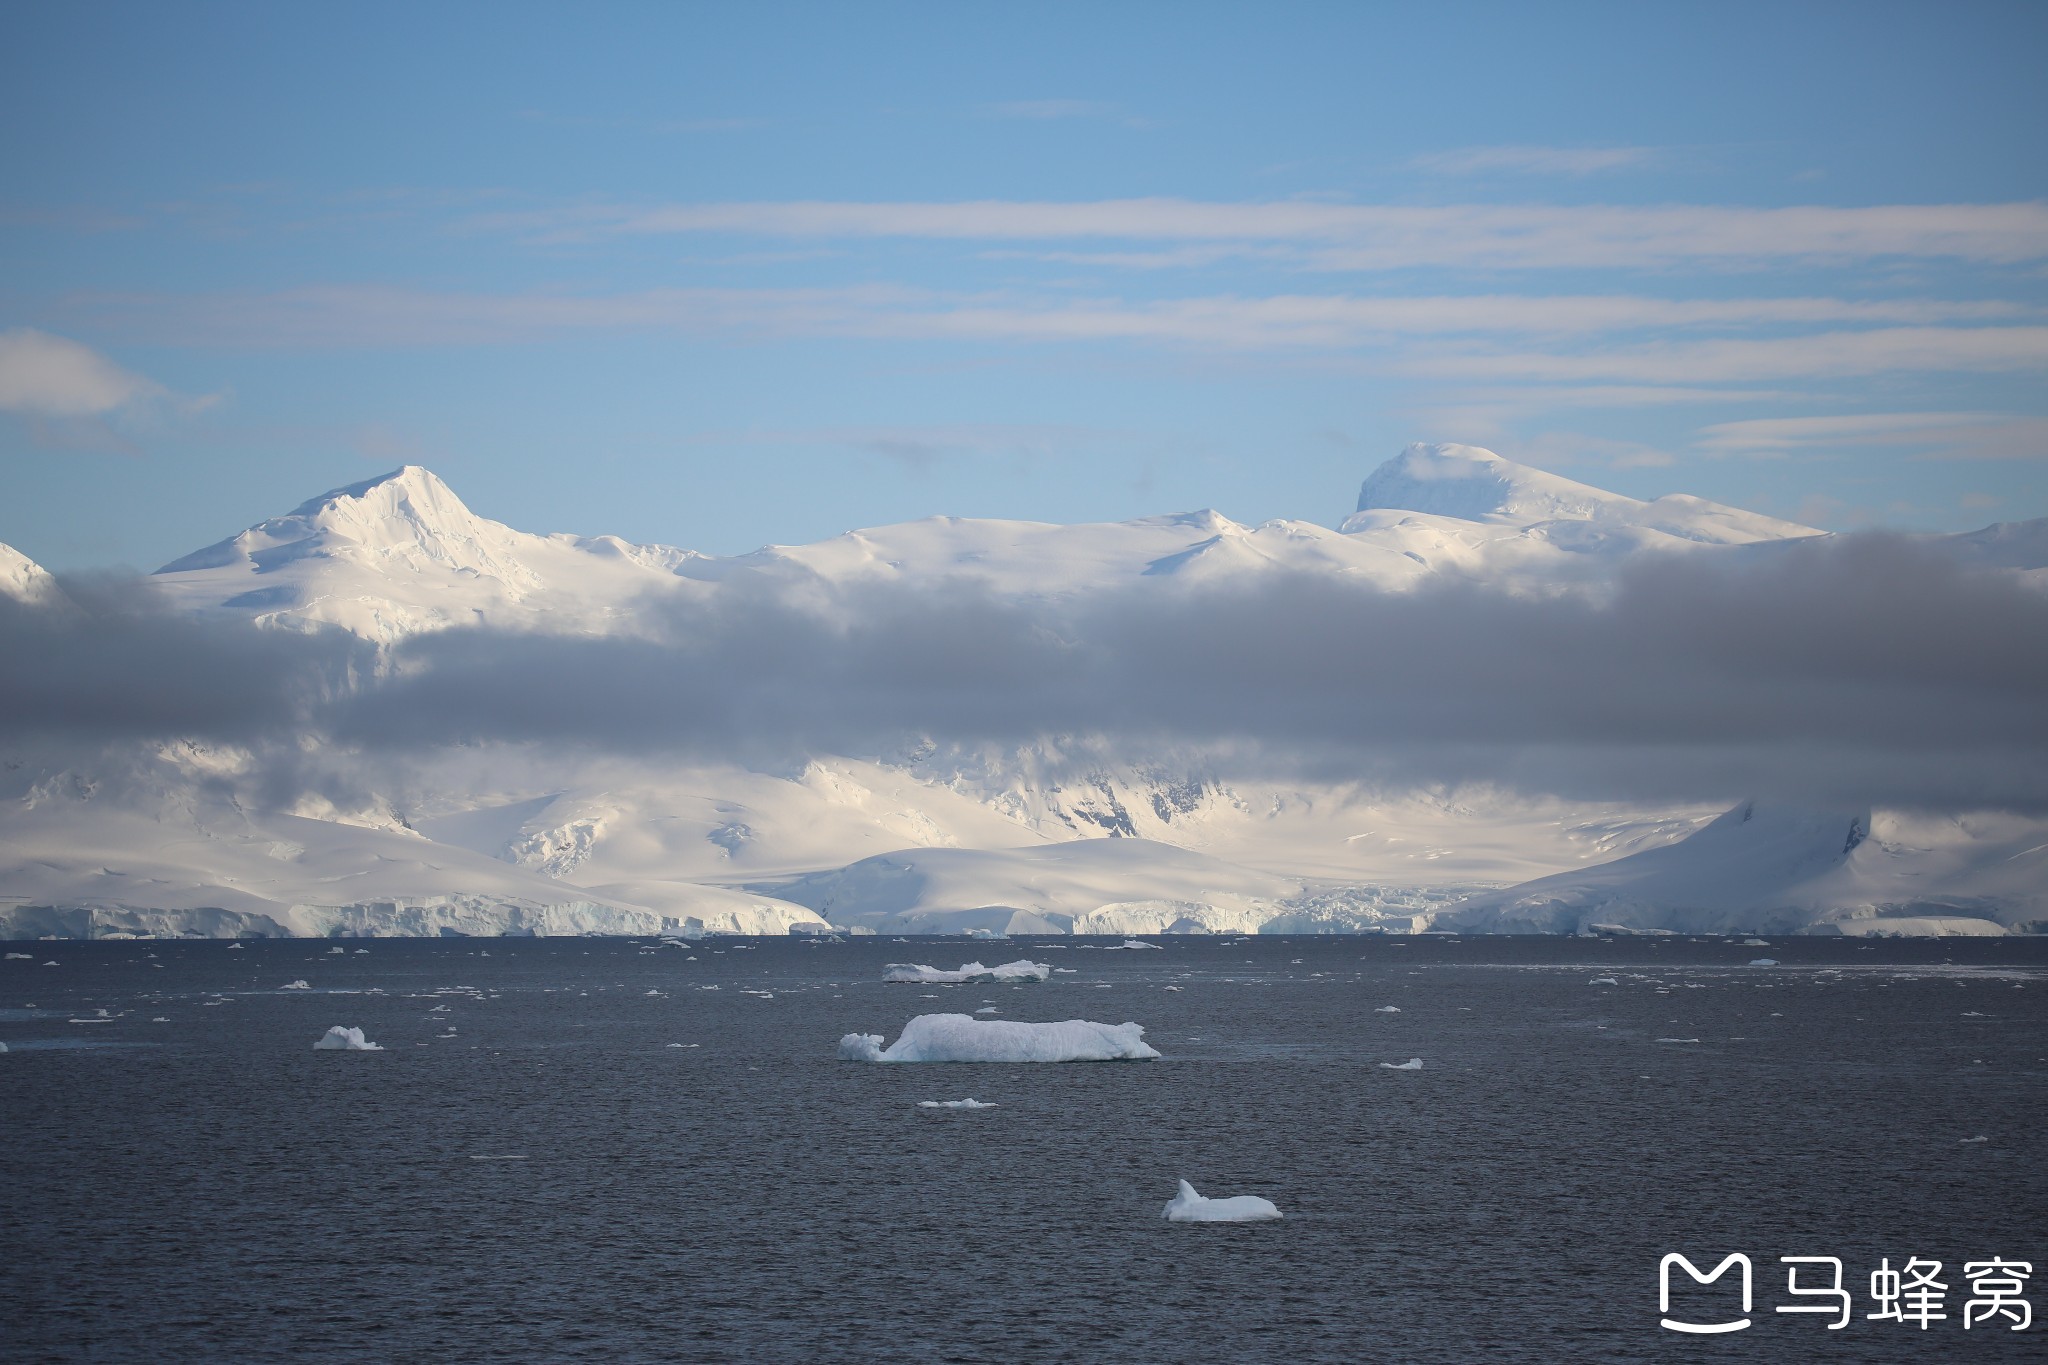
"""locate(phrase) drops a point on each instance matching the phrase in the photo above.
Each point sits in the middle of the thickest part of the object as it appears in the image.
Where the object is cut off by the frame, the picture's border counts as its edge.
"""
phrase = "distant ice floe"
(955, 1104)
(339, 1039)
(1412, 1064)
(1603, 981)
(963, 1038)
(1190, 1207)
(988, 1009)
(21, 957)
(1763, 962)
(1755, 943)
(1978, 1138)
(1388, 1009)
(3, 1047)
(332, 951)
(300, 985)
(1678, 1040)
(1020, 970)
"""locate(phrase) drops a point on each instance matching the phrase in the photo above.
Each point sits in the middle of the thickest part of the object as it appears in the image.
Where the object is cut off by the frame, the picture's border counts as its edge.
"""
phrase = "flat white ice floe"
(1388, 1009)
(300, 985)
(1763, 962)
(1190, 1207)
(1412, 1064)
(1603, 981)
(963, 1038)
(956, 1104)
(1020, 970)
(339, 1039)
(1678, 1040)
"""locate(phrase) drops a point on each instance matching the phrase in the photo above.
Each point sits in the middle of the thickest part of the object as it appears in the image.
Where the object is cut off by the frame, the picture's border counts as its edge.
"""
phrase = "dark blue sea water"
(534, 1169)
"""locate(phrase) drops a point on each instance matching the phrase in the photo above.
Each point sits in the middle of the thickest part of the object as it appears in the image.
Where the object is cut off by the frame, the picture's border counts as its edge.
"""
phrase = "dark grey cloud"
(1861, 669)
(110, 660)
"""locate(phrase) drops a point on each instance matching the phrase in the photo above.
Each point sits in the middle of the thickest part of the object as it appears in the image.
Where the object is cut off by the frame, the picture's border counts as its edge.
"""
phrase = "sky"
(720, 276)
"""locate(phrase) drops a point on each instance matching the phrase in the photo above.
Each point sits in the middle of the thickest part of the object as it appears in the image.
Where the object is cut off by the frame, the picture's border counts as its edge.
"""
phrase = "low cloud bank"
(1863, 669)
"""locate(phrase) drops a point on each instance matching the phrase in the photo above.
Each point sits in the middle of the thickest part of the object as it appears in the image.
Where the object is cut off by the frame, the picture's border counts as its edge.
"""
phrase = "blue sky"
(723, 275)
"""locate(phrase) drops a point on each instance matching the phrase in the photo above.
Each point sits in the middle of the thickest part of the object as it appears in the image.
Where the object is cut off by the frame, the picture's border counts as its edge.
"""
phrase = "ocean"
(606, 1149)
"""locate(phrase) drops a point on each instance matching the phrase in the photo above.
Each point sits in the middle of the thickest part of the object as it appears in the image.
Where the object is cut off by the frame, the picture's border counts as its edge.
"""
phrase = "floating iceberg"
(300, 985)
(1388, 1009)
(1190, 1207)
(955, 1104)
(339, 1039)
(1134, 943)
(1603, 981)
(20, 957)
(963, 1038)
(1763, 962)
(1755, 943)
(1967, 1141)
(1412, 1064)
(1020, 970)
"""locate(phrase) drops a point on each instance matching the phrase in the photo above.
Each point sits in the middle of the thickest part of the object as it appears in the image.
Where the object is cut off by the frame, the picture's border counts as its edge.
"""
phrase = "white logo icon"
(1664, 1291)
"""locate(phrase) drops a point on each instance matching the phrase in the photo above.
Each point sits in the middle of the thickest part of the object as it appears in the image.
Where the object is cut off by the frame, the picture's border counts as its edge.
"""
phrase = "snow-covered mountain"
(1042, 836)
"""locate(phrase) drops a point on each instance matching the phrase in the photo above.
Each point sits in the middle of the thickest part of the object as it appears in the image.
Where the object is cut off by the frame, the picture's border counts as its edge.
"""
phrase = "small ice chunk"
(234, 947)
(300, 985)
(339, 1039)
(51, 963)
(1763, 962)
(955, 1104)
(1190, 1207)
(1603, 981)
(1754, 943)
(1388, 1009)
(988, 1009)
(1134, 943)
(3, 1047)
(1020, 970)
(21, 957)
(963, 1038)
(160, 1019)
(1979, 1138)
(1678, 1040)
(332, 951)
(1412, 1064)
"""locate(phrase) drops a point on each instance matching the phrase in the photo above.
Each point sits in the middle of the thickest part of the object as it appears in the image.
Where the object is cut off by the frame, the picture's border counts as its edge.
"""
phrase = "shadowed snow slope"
(1088, 886)
(1772, 868)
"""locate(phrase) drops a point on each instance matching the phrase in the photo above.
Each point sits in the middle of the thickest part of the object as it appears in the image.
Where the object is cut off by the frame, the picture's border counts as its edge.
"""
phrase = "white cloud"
(53, 377)
(1963, 435)
(1526, 160)
(381, 315)
(1835, 354)
(1369, 237)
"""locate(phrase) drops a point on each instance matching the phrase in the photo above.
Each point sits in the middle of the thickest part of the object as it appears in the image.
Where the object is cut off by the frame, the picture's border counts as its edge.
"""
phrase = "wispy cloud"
(1961, 435)
(51, 376)
(1365, 237)
(380, 315)
(1527, 160)
(71, 397)
(1825, 355)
